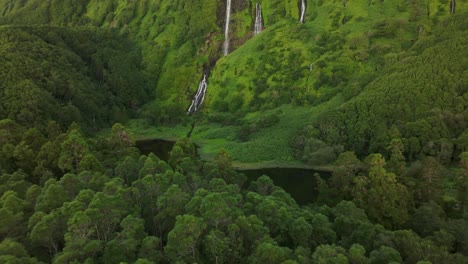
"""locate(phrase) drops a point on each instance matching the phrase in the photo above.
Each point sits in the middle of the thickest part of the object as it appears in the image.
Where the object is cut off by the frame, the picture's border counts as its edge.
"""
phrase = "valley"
(234, 131)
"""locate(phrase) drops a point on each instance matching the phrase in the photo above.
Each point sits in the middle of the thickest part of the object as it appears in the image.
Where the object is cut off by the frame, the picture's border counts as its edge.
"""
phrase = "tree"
(330, 254)
(121, 143)
(12, 252)
(397, 163)
(106, 211)
(381, 196)
(53, 196)
(170, 204)
(427, 219)
(34, 139)
(224, 170)
(47, 160)
(182, 241)
(183, 150)
(275, 215)
(151, 249)
(300, 232)
(357, 254)
(79, 239)
(11, 210)
(127, 170)
(49, 233)
(429, 185)
(216, 211)
(10, 247)
(384, 255)
(124, 247)
(89, 162)
(263, 185)
(250, 230)
(269, 252)
(10, 132)
(216, 246)
(413, 249)
(73, 150)
(462, 183)
(347, 165)
(24, 157)
(322, 231)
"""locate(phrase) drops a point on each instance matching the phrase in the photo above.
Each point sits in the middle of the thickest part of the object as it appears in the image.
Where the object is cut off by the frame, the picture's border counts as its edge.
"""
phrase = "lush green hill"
(343, 48)
(420, 96)
(386, 76)
(69, 75)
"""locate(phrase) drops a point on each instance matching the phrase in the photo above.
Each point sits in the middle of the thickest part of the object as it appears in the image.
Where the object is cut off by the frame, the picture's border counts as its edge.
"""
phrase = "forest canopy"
(89, 76)
(372, 92)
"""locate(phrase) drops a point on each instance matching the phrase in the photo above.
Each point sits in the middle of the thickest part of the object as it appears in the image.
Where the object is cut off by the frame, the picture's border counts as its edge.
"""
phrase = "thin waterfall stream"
(199, 97)
(303, 9)
(258, 27)
(226, 28)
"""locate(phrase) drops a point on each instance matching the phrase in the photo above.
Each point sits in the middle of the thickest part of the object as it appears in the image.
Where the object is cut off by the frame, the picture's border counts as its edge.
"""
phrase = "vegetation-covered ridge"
(421, 96)
(344, 50)
(83, 75)
(343, 41)
(68, 199)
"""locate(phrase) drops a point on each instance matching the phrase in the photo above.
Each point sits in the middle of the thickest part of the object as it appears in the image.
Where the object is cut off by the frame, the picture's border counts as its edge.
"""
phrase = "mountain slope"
(67, 75)
(421, 96)
(341, 51)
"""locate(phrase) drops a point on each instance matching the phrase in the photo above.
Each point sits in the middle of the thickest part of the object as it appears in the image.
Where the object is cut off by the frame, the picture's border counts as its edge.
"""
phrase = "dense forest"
(374, 92)
(68, 75)
(68, 199)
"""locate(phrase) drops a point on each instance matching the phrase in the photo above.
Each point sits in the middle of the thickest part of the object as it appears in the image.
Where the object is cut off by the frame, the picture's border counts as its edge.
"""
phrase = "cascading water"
(258, 19)
(452, 7)
(303, 9)
(199, 96)
(226, 28)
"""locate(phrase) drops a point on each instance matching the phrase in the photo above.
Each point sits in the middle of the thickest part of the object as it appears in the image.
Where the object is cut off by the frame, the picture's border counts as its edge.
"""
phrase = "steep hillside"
(336, 51)
(421, 96)
(68, 75)
(180, 39)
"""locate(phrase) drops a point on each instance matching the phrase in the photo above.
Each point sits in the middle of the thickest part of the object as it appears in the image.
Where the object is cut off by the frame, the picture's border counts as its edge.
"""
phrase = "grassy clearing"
(268, 147)
(141, 131)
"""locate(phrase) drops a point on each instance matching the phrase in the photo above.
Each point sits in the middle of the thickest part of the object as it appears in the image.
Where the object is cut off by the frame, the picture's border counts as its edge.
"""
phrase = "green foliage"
(183, 239)
(147, 211)
(74, 150)
(385, 255)
(67, 75)
(327, 254)
(419, 95)
(365, 76)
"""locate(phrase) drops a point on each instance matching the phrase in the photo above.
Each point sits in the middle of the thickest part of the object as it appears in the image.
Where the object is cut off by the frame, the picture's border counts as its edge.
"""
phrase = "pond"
(298, 182)
(161, 148)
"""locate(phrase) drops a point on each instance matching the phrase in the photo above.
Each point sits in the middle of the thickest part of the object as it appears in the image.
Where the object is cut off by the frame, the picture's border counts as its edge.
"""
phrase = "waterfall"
(258, 19)
(226, 28)
(303, 8)
(199, 96)
(452, 7)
